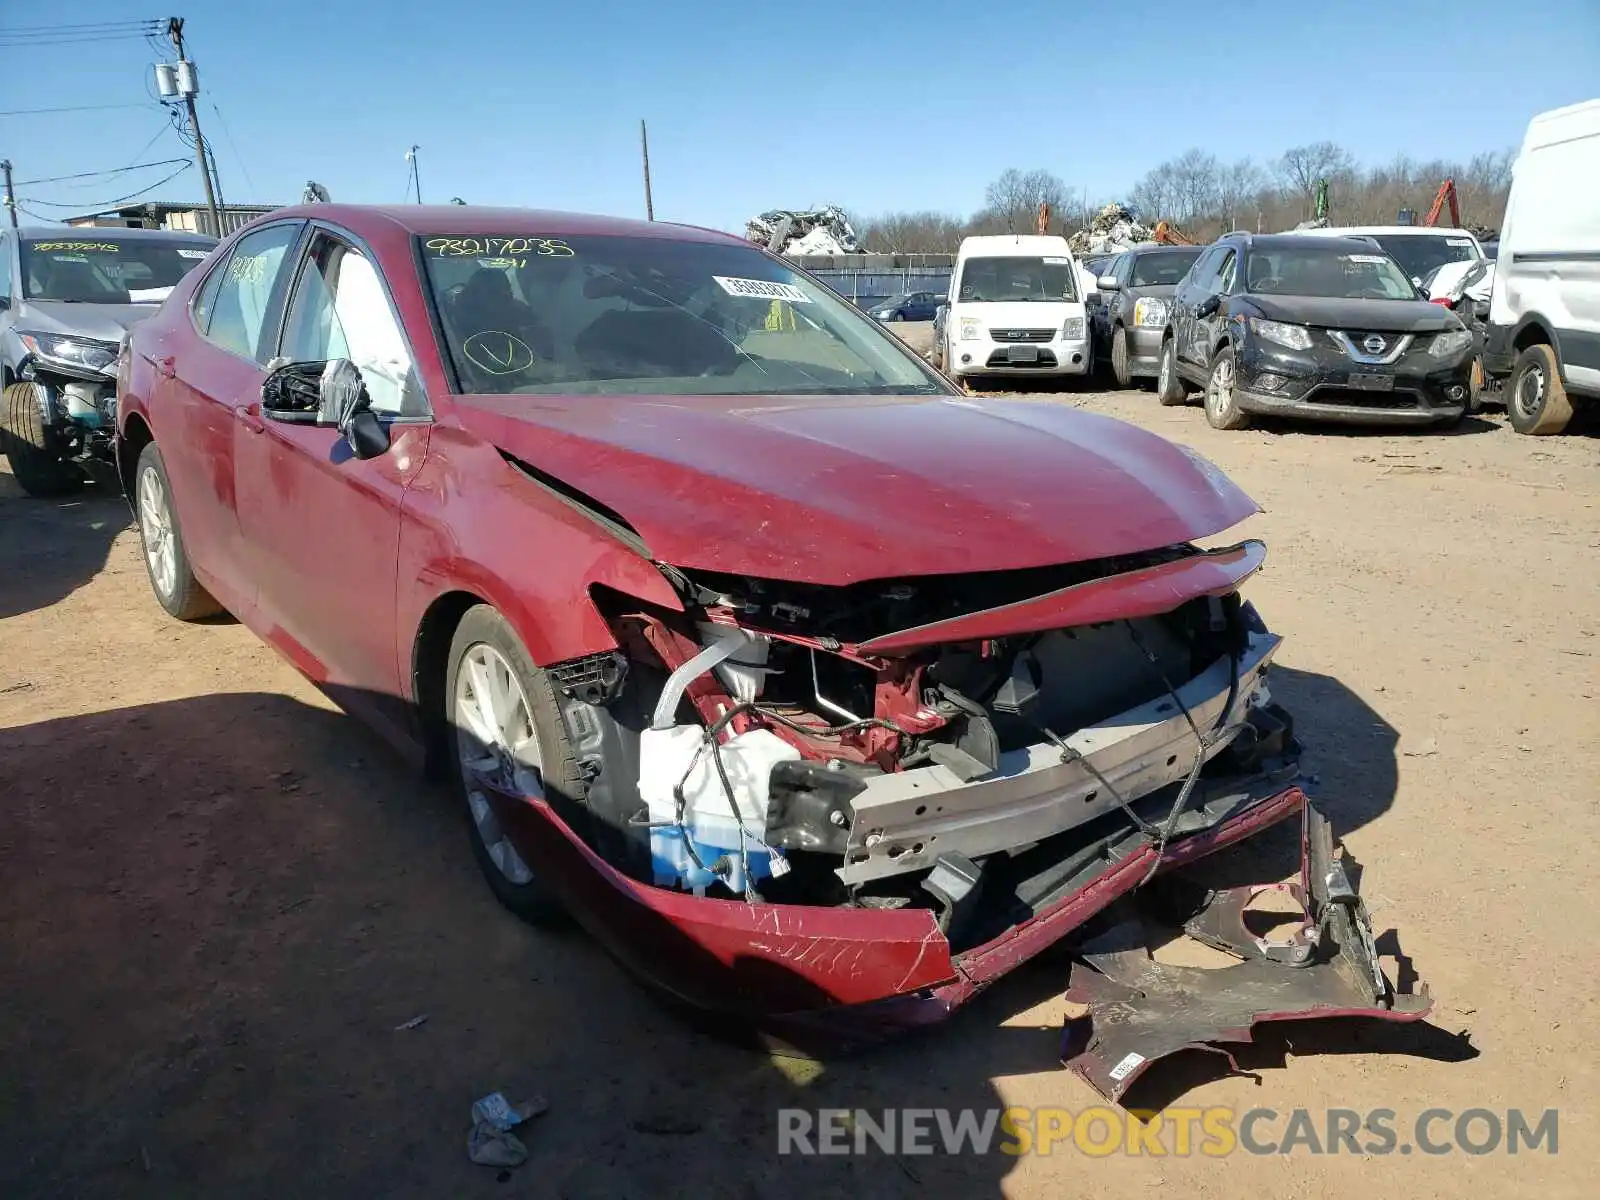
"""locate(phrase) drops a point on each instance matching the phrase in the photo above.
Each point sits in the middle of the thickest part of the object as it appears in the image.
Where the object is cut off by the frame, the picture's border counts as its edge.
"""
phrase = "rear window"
(1421, 254)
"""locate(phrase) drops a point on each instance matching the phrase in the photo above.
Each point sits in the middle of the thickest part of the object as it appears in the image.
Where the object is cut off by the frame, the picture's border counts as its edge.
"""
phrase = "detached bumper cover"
(1141, 1010)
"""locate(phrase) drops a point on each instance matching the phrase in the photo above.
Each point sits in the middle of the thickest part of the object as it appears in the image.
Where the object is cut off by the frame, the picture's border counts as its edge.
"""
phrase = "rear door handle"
(250, 417)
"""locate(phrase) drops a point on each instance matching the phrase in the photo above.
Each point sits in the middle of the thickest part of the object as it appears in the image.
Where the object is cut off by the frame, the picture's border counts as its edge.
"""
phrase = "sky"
(753, 106)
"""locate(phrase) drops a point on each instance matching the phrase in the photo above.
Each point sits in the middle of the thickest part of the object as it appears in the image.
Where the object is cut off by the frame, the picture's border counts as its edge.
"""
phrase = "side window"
(1123, 268)
(5, 272)
(1205, 269)
(341, 310)
(206, 298)
(239, 305)
(1225, 275)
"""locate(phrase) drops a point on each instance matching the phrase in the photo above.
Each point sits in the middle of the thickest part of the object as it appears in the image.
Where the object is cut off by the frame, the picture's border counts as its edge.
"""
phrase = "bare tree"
(1012, 201)
(1302, 166)
(1194, 185)
(1238, 184)
(911, 233)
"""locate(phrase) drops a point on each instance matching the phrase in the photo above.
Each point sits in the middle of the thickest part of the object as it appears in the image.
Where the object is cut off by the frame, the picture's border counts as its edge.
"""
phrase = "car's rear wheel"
(35, 461)
(1170, 388)
(507, 736)
(1536, 399)
(1119, 357)
(166, 559)
(1222, 398)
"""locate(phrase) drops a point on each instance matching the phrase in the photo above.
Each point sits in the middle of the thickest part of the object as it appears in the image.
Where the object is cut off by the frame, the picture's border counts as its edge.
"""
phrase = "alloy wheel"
(1219, 389)
(1165, 382)
(155, 526)
(497, 748)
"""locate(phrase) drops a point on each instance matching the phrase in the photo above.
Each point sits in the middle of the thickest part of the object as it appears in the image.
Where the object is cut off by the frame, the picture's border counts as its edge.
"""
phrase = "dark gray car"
(67, 296)
(1135, 293)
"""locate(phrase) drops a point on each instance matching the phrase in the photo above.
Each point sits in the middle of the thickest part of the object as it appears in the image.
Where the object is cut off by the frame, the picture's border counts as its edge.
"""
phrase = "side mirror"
(368, 437)
(1207, 306)
(328, 394)
(1108, 283)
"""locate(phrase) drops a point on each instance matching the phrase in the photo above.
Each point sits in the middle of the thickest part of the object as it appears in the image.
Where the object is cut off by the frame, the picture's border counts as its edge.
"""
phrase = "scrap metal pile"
(821, 231)
(1112, 229)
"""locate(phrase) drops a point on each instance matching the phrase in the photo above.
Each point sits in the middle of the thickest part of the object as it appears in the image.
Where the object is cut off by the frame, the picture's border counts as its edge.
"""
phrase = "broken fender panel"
(1141, 593)
(1141, 1010)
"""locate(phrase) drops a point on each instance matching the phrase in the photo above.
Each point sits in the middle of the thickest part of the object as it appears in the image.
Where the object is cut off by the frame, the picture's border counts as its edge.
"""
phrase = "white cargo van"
(1016, 308)
(1544, 313)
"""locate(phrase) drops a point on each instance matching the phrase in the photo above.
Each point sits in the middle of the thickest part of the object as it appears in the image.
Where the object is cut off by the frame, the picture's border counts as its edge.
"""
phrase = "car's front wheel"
(166, 558)
(1170, 388)
(507, 737)
(27, 442)
(1119, 357)
(1222, 396)
(1536, 399)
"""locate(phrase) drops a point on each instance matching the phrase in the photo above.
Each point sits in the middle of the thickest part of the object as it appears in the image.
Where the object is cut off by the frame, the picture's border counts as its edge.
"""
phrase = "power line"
(29, 112)
(165, 162)
(239, 158)
(82, 26)
(104, 204)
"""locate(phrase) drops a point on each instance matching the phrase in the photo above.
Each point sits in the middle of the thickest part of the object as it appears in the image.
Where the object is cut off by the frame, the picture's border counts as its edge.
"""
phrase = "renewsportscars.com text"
(1180, 1132)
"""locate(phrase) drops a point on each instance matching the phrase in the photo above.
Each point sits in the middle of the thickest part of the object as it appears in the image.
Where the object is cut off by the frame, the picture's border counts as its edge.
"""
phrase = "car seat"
(627, 343)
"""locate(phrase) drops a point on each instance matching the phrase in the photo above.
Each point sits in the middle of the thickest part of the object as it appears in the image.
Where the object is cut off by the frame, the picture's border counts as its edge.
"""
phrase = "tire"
(37, 465)
(483, 646)
(1536, 399)
(1119, 357)
(166, 560)
(1170, 388)
(1222, 398)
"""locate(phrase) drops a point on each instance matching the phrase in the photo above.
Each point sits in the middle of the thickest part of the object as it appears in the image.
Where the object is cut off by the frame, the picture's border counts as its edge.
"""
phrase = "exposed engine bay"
(804, 744)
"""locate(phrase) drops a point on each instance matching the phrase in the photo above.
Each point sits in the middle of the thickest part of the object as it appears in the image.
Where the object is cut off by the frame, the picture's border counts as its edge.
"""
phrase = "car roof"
(466, 220)
(997, 245)
(1423, 230)
(1288, 241)
(109, 233)
(1143, 250)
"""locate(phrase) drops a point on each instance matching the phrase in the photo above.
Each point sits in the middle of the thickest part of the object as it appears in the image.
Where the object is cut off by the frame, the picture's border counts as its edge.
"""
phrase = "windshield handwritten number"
(496, 247)
(77, 247)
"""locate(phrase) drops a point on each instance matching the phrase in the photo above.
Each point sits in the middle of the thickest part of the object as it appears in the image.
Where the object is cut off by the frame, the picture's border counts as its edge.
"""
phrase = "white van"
(1544, 313)
(1016, 308)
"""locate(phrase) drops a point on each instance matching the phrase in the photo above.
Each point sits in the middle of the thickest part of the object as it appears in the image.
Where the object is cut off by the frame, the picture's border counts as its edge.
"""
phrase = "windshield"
(653, 316)
(1164, 269)
(1017, 279)
(86, 270)
(1310, 270)
(1419, 254)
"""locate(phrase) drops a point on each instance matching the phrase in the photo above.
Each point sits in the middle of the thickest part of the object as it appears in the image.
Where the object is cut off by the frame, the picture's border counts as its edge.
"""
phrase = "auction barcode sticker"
(192, 253)
(1367, 258)
(762, 289)
(1126, 1067)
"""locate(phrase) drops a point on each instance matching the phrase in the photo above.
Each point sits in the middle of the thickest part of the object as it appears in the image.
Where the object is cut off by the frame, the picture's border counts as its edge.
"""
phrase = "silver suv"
(67, 297)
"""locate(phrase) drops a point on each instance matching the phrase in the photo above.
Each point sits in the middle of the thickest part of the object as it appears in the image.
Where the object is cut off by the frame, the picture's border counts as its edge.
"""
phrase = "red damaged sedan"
(808, 684)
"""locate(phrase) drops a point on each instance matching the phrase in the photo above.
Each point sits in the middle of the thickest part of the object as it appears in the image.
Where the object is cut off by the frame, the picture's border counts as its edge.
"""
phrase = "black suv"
(1325, 328)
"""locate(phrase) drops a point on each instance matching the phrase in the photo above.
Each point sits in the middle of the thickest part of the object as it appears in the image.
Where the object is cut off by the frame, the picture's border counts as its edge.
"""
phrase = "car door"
(1207, 328)
(208, 367)
(1193, 288)
(322, 526)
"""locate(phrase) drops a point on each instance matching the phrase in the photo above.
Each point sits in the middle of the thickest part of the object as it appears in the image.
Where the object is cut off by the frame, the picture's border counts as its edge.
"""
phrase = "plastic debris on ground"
(1112, 229)
(490, 1141)
(819, 231)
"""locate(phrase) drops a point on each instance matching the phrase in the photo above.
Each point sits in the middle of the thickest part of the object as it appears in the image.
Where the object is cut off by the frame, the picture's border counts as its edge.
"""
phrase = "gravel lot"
(221, 897)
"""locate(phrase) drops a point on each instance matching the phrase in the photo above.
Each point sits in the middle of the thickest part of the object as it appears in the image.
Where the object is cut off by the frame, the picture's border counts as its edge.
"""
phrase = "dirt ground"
(220, 897)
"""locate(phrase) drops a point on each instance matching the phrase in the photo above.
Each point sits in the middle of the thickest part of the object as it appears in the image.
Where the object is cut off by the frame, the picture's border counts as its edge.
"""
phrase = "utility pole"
(644, 146)
(416, 172)
(187, 85)
(11, 198)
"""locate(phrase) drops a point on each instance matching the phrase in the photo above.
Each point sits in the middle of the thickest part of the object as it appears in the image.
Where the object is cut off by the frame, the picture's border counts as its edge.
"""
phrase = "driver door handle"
(250, 417)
